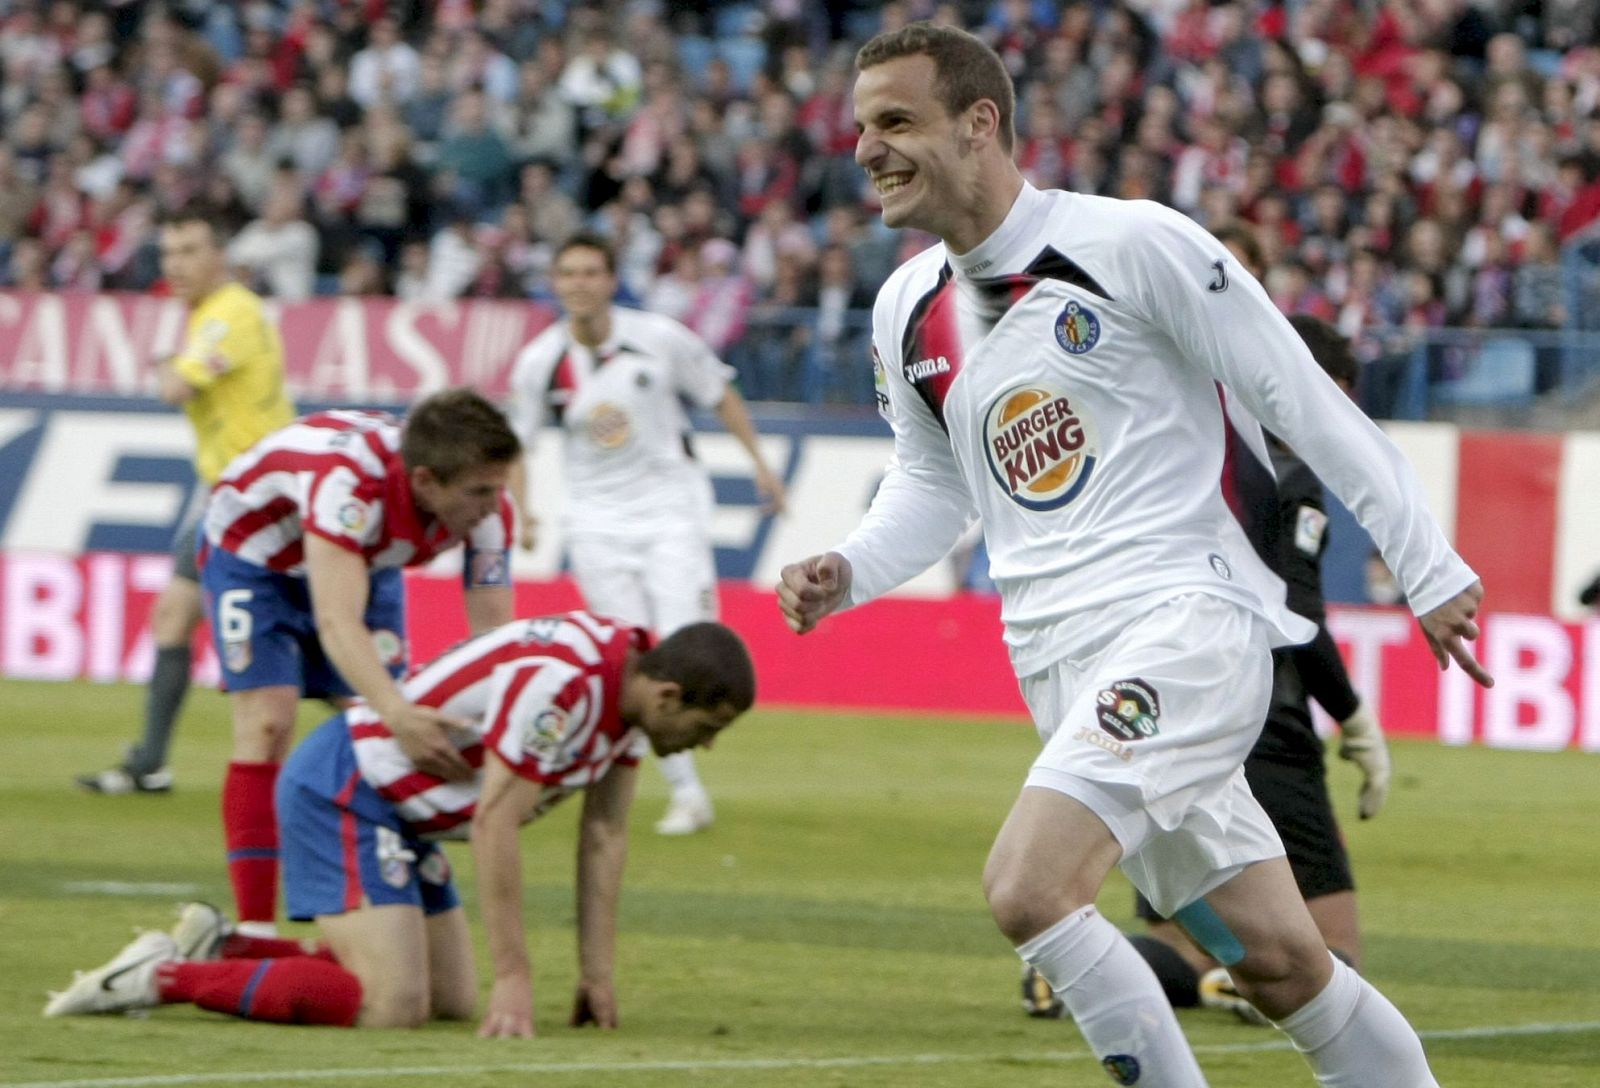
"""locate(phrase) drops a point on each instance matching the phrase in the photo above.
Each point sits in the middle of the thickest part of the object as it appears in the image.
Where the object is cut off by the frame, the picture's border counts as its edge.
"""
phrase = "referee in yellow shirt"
(228, 376)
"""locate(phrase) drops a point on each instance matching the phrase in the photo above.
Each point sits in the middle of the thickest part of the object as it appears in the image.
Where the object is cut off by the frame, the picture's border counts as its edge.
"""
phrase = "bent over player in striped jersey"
(546, 707)
(305, 535)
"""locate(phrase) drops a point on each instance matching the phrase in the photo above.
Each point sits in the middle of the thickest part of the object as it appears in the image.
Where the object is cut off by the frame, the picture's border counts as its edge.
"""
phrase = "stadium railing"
(1407, 373)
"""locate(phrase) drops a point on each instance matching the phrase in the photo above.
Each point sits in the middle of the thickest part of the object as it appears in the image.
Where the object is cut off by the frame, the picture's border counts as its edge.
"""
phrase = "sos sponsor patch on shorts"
(1129, 709)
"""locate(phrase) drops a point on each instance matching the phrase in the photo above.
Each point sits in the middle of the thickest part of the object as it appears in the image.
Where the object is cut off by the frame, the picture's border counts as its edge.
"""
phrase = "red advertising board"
(342, 350)
(67, 618)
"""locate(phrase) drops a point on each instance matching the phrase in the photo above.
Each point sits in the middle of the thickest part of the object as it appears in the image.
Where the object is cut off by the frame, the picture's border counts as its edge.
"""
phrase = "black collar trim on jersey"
(1050, 264)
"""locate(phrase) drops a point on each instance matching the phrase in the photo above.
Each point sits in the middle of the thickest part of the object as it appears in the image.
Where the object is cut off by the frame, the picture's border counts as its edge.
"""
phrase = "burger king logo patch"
(1040, 449)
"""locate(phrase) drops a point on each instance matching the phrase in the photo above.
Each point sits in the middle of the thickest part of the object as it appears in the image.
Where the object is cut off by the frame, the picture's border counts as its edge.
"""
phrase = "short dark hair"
(1331, 350)
(455, 430)
(965, 69)
(588, 239)
(708, 662)
(214, 216)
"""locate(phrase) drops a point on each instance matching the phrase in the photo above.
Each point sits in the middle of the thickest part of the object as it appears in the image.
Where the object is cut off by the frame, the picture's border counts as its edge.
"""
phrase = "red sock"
(296, 990)
(238, 946)
(250, 828)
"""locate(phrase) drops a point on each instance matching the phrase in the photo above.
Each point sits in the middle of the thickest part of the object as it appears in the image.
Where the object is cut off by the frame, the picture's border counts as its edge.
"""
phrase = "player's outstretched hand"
(1361, 741)
(595, 1004)
(1448, 625)
(811, 588)
(775, 499)
(510, 1014)
(423, 735)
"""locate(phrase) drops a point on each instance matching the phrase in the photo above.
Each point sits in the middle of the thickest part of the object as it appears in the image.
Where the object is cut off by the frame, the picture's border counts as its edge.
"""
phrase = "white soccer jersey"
(541, 694)
(340, 476)
(1059, 381)
(620, 409)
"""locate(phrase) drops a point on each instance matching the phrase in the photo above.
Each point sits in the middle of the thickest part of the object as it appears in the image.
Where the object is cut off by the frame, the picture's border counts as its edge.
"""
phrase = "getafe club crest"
(1077, 329)
(1039, 447)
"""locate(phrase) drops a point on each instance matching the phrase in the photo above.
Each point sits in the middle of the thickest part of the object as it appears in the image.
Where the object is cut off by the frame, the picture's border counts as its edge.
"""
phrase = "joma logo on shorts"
(1088, 736)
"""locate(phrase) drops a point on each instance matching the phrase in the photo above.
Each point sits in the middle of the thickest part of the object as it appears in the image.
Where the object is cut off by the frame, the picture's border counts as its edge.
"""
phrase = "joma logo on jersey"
(927, 368)
(1039, 448)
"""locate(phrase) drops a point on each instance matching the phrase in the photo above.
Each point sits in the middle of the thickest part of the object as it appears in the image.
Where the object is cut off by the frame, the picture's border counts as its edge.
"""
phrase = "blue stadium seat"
(694, 56)
(737, 20)
(1500, 373)
(745, 57)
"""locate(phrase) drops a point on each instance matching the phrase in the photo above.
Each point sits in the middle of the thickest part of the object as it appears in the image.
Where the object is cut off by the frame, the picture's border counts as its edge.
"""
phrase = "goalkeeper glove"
(1362, 743)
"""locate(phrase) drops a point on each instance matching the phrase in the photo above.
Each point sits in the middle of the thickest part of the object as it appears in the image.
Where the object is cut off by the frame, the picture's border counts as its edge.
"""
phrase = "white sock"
(679, 771)
(1115, 1000)
(1354, 1038)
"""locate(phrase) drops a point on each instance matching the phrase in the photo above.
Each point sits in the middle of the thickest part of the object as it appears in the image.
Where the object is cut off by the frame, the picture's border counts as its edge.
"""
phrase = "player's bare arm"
(602, 852)
(1450, 625)
(812, 588)
(170, 385)
(489, 607)
(735, 417)
(338, 581)
(527, 521)
(506, 800)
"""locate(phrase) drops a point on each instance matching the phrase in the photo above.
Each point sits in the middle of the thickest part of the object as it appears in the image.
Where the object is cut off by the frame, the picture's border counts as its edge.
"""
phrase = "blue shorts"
(265, 634)
(343, 849)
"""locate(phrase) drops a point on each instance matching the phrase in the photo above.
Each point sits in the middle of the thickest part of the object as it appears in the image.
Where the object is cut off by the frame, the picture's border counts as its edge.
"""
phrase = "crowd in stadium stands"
(1404, 163)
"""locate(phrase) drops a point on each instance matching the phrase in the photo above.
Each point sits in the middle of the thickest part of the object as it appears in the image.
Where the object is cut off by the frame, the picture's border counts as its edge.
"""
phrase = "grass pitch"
(828, 931)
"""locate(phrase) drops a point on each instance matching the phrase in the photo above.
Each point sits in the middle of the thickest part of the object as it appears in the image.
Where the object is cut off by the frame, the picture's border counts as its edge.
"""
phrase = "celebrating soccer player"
(1052, 367)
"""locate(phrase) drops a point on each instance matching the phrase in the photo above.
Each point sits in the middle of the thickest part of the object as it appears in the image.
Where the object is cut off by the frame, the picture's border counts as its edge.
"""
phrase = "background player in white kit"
(1052, 368)
(638, 503)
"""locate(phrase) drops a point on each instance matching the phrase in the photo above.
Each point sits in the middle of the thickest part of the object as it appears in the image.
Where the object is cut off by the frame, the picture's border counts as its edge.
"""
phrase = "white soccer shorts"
(1149, 728)
(663, 582)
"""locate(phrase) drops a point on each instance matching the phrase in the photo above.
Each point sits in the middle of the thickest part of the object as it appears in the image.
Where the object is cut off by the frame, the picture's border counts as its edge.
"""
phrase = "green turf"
(829, 930)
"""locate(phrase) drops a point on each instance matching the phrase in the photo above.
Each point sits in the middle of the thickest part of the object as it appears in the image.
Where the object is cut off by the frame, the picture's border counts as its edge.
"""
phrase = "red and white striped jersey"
(542, 694)
(339, 475)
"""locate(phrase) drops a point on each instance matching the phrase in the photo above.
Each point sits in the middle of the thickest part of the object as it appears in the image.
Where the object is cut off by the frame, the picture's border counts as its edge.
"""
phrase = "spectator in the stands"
(277, 253)
(388, 71)
(473, 160)
(302, 135)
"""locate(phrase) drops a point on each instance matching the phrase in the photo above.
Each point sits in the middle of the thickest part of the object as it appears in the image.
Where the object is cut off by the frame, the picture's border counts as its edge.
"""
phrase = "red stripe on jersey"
(933, 341)
(497, 727)
(291, 461)
(1500, 472)
(444, 821)
(565, 375)
(379, 448)
(409, 786)
(375, 731)
(248, 525)
(1230, 465)
(477, 666)
(288, 557)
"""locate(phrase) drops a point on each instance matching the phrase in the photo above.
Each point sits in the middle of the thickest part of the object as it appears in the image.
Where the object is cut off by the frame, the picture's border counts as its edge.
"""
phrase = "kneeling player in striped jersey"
(545, 707)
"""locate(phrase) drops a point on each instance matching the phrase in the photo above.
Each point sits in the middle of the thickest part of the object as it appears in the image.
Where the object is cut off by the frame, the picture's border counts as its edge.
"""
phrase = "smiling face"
(908, 144)
(467, 499)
